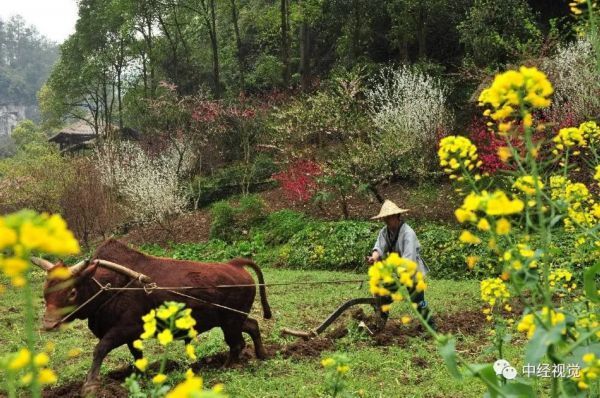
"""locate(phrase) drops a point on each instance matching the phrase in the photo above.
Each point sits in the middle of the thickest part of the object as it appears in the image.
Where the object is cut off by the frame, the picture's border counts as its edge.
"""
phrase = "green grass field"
(413, 368)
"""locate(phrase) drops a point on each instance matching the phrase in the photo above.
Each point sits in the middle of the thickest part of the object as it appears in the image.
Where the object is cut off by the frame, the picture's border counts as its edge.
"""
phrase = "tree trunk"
(119, 83)
(355, 44)
(404, 48)
(305, 55)
(173, 46)
(285, 44)
(375, 192)
(149, 45)
(215, 48)
(238, 42)
(422, 34)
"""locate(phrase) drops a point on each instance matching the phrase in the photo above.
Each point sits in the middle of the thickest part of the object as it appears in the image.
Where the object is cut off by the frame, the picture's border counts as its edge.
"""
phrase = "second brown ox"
(115, 316)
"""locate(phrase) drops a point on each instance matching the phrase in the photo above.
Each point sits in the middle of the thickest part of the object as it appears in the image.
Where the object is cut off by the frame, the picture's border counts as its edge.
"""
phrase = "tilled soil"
(394, 334)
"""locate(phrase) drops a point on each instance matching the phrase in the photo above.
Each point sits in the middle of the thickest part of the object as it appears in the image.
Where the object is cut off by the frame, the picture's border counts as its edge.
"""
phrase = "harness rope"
(148, 288)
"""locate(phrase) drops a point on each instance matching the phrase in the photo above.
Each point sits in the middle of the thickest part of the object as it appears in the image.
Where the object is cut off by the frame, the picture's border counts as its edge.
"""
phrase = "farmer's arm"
(379, 249)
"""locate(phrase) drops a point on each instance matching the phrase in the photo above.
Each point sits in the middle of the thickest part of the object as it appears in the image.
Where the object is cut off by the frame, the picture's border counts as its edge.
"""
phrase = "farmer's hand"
(373, 257)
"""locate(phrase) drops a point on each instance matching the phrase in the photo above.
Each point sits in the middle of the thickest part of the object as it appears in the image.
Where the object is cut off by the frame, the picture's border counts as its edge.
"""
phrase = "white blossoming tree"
(148, 184)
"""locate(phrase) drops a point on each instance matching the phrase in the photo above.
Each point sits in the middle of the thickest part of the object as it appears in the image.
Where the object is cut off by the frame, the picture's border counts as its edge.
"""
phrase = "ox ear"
(87, 272)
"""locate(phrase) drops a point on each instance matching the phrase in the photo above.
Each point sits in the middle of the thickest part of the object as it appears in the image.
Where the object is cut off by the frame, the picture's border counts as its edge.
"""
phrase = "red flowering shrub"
(487, 143)
(299, 180)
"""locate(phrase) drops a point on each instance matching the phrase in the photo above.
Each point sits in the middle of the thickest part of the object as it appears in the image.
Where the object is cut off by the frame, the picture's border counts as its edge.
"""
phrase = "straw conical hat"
(388, 208)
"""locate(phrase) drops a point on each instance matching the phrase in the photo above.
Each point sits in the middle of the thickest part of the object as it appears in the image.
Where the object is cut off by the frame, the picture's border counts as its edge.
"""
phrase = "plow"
(374, 302)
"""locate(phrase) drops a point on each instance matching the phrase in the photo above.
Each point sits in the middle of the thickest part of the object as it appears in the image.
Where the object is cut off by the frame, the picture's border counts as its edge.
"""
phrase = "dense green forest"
(123, 52)
(26, 59)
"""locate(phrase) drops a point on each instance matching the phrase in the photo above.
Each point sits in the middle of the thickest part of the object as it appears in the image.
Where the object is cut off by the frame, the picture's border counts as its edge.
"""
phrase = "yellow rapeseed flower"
(186, 389)
(141, 364)
(41, 359)
(503, 226)
(456, 152)
(8, 237)
(327, 362)
(185, 323)
(159, 378)
(167, 310)
(165, 337)
(494, 290)
(504, 153)
(568, 137)
(483, 225)
(499, 204)
(511, 90)
(47, 376)
(471, 261)
(20, 360)
(191, 352)
(60, 273)
(149, 330)
(526, 184)
(468, 237)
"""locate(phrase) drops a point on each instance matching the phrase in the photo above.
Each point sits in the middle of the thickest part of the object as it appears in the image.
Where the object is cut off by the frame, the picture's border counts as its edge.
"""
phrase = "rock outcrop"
(11, 115)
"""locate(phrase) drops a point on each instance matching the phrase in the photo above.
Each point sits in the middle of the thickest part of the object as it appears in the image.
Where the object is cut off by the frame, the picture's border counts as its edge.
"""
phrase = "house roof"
(78, 131)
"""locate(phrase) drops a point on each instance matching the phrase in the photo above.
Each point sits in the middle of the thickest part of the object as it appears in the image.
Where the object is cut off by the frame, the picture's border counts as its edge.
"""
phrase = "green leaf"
(576, 356)
(542, 339)
(555, 220)
(517, 390)
(487, 374)
(589, 282)
(448, 352)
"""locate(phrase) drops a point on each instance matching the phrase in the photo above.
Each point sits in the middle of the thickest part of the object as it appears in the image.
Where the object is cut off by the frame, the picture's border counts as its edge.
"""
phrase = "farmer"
(397, 236)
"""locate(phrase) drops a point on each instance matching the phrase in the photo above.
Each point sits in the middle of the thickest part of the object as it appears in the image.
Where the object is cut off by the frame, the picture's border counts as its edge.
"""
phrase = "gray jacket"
(407, 246)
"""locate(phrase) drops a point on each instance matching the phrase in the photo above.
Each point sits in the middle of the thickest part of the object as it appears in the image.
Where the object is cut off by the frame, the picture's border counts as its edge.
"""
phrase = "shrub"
(88, 206)
(488, 143)
(299, 180)
(497, 32)
(409, 110)
(443, 254)
(280, 226)
(223, 221)
(330, 245)
(35, 178)
(214, 250)
(148, 184)
(251, 211)
(232, 180)
(576, 82)
(231, 223)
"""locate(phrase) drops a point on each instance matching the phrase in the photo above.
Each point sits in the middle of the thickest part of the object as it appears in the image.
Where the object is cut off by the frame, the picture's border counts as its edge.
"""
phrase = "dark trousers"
(417, 298)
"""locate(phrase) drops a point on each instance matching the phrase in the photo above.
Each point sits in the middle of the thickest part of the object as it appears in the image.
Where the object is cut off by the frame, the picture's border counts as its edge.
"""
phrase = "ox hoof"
(89, 389)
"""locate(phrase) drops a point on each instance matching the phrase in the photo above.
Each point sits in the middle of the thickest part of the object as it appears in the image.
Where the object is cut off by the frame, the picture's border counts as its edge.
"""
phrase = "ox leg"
(137, 354)
(235, 341)
(110, 341)
(251, 327)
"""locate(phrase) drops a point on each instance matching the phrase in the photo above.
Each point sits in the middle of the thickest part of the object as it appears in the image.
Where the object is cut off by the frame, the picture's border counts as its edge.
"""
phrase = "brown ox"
(115, 316)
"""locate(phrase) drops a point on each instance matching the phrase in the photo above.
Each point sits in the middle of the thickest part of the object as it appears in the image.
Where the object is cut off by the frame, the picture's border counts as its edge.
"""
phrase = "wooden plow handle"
(374, 301)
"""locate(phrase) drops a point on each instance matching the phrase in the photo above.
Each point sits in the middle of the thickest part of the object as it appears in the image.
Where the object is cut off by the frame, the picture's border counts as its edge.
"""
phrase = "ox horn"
(124, 270)
(77, 268)
(43, 264)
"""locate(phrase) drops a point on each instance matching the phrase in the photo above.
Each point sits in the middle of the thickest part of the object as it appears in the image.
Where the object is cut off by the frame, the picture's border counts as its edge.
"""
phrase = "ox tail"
(261, 280)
